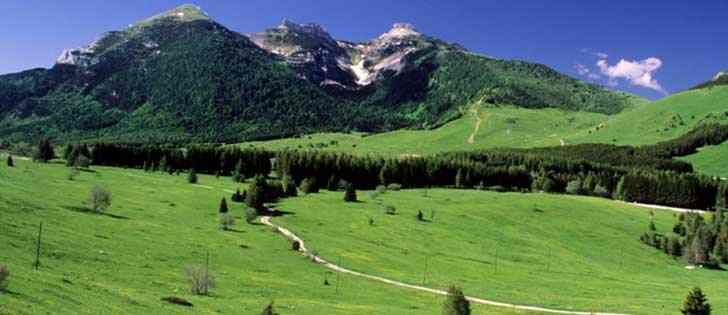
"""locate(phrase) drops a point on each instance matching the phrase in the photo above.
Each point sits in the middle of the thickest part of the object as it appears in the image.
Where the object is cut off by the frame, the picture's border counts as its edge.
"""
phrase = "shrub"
(601, 191)
(308, 186)
(333, 184)
(45, 152)
(250, 215)
(289, 186)
(296, 246)
(226, 221)
(381, 189)
(238, 175)
(456, 303)
(255, 195)
(4, 276)
(268, 310)
(10, 161)
(201, 281)
(390, 210)
(237, 196)
(177, 300)
(350, 194)
(82, 161)
(99, 199)
(394, 187)
(192, 176)
(420, 216)
(696, 303)
(574, 187)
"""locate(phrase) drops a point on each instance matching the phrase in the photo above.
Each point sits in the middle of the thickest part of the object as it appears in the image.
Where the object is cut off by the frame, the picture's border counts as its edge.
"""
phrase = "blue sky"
(667, 46)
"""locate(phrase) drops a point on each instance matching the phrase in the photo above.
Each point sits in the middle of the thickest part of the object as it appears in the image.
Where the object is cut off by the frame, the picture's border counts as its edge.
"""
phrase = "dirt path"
(478, 121)
(649, 206)
(294, 238)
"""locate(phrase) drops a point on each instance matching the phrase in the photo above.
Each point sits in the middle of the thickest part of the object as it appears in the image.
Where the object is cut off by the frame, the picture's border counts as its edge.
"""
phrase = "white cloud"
(584, 71)
(638, 73)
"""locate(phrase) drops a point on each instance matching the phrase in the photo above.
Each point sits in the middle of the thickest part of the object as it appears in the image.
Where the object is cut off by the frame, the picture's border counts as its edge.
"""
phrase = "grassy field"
(126, 260)
(498, 127)
(522, 128)
(711, 160)
(556, 251)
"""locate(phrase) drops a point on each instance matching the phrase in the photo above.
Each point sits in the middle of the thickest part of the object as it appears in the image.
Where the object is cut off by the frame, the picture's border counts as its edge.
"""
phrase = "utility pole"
(37, 247)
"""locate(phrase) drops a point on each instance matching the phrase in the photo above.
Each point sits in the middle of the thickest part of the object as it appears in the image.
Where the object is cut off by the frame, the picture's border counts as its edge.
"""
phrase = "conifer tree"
(223, 206)
(333, 184)
(192, 176)
(238, 176)
(237, 196)
(45, 151)
(456, 303)
(10, 161)
(696, 303)
(255, 195)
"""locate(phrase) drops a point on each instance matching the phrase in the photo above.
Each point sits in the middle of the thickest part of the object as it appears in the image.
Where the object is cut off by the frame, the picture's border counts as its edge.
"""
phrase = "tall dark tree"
(456, 303)
(45, 151)
(696, 303)
(238, 175)
(255, 195)
(10, 161)
(223, 206)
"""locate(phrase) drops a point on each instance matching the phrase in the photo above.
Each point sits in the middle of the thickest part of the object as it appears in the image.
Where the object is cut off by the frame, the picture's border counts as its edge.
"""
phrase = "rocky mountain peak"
(308, 28)
(400, 30)
(720, 75)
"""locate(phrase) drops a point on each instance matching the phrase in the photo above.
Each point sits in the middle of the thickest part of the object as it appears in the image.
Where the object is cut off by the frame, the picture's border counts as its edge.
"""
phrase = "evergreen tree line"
(699, 241)
(209, 159)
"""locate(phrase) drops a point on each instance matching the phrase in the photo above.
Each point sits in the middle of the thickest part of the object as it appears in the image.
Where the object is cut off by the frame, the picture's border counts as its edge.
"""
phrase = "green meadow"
(711, 160)
(125, 260)
(557, 251)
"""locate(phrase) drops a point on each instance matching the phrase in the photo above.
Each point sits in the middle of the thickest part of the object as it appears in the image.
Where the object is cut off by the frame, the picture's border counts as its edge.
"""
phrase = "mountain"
(181, 77)
(719, 79)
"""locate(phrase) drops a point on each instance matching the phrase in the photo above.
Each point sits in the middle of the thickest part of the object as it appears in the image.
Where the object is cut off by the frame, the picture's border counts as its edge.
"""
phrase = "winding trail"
(302, 248)
(478, 121)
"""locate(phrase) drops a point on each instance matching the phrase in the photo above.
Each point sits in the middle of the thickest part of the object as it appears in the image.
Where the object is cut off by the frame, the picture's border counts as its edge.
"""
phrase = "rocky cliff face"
(318, 57)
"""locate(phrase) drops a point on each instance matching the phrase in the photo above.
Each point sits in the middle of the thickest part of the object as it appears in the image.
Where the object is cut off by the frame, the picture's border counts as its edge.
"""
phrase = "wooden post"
(37, 247)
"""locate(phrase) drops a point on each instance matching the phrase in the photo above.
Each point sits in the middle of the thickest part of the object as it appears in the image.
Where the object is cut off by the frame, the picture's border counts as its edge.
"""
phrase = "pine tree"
(456, 303)
(163, 164)
(11, 163)
(696, 303)
(255, 195)
(192, 176)
(268, 310)
(289, 186)
(237, 196)
(238, 176)
(45, 151)
(350, 194)
(619, 193)
(223, 206)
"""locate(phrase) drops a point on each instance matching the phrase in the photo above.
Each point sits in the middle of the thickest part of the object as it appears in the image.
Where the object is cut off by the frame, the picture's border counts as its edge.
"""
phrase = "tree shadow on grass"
(89, 211)
(272, 212)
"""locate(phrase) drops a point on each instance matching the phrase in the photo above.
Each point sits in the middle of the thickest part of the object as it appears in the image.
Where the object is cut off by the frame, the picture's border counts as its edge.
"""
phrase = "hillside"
(125, 261)
(563, 252)
(711, 160)
(182, 77)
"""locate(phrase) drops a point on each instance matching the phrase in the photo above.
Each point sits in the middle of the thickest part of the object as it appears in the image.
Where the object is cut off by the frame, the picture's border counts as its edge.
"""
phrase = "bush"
(192, 176)
(350, 194)
(250, 215)
(201, 281)
(289, 186)
(381, 189)
(394, 187)
(296, 246)
(456, 303)
(309, 186)
(177, 300)
(10, 161)
(574, 187)
(268, 310)
(237, 196)
(99, 199)
(390, 210)
(255, 195)
(238, 175)
(696, 303)
(226, 221)
(4, 276)
(420, 216)
(82, 161)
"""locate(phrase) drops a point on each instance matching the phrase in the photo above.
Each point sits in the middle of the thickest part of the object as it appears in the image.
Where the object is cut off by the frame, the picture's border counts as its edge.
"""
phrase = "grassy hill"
(537, 249)
(661, 120)
(480, 127)
(125, 261)
(711, 160)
